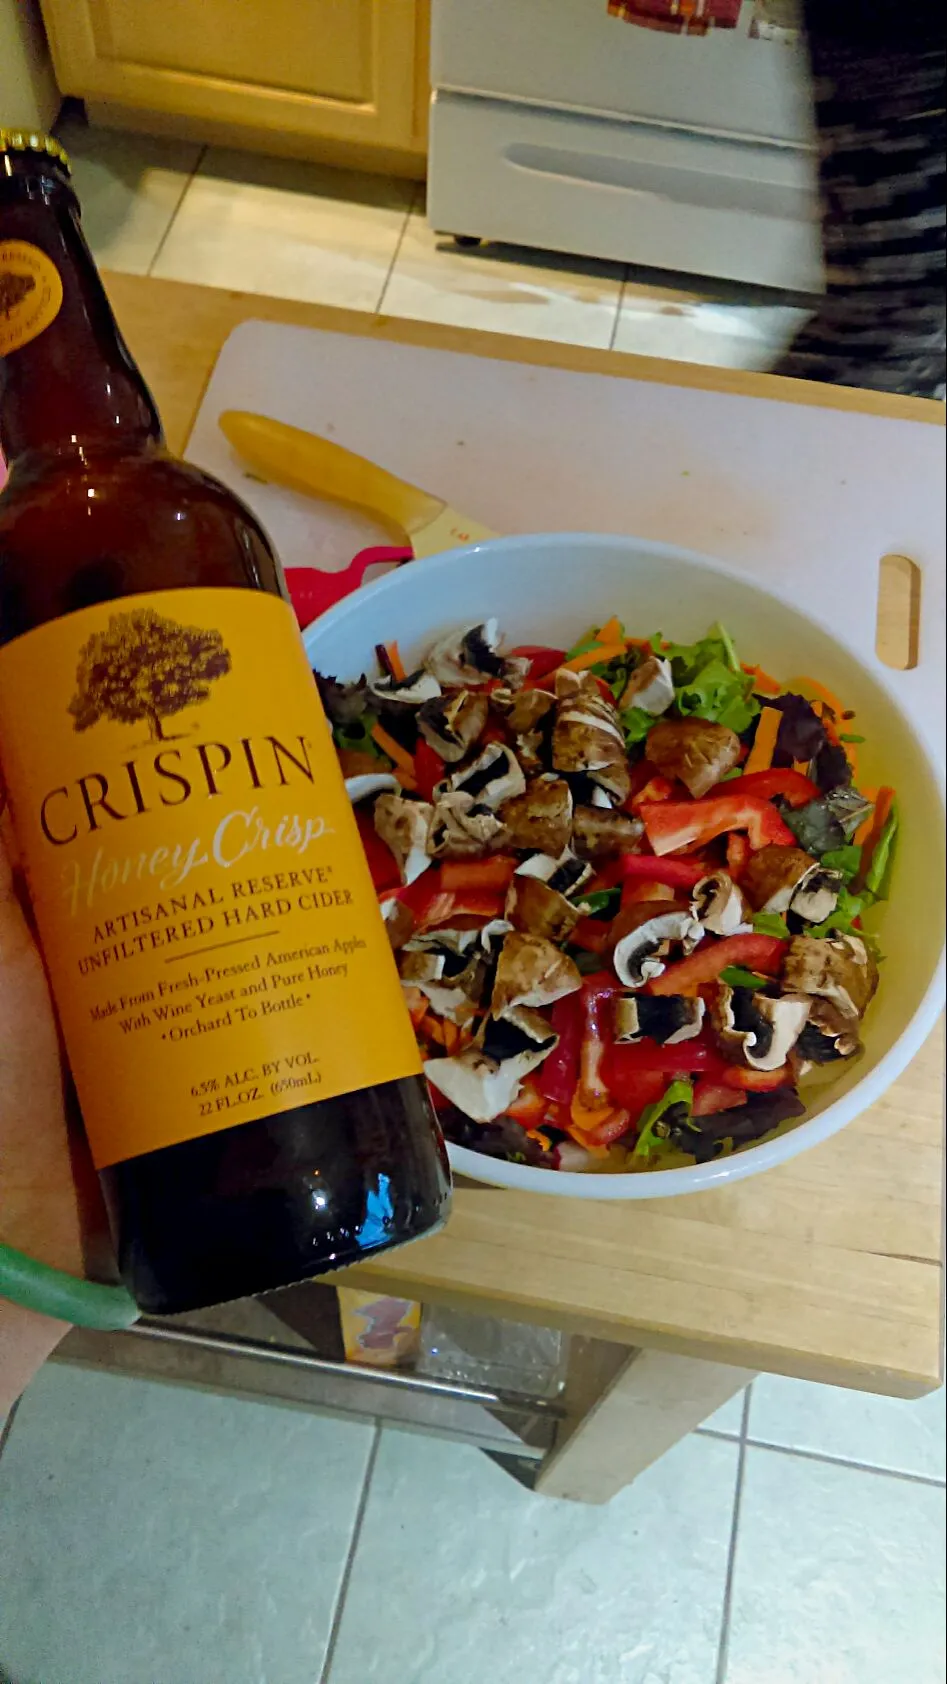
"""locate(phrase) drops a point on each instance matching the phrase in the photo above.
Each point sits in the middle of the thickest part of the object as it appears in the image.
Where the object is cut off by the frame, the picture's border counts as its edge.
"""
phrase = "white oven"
(556, 125)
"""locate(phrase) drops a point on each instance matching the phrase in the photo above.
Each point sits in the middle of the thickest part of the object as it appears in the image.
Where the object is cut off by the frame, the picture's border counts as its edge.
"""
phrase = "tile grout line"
(349, 1563)
(202, 154)
(415, 190)
(723, 1646)
(845, 1462)
(621, 299)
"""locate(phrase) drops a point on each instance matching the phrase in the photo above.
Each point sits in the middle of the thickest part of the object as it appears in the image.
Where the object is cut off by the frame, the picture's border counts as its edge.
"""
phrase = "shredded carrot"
(763, 682)
(398, 755)
(639, 643)
(880, 817)
(612, 631)
(588, 1116)
(451, 1036)
(434, 1030)
(592, 657)
(541, 1139)
(581, 1139)
(395, 662)
(760, 757)
(867, 825)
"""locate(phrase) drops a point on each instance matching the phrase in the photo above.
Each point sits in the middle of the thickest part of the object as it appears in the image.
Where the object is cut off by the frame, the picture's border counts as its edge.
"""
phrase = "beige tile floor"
(152, 1536)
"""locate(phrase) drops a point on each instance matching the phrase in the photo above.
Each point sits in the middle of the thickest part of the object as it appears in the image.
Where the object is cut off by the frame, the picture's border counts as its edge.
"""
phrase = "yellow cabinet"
(344, 79)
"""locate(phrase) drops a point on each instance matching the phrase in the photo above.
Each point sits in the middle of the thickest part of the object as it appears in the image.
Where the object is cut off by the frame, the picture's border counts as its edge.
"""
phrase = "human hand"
(50, 1204)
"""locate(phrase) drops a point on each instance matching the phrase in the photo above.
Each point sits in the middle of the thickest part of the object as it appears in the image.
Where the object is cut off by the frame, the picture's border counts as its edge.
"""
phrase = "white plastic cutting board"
(807, 498)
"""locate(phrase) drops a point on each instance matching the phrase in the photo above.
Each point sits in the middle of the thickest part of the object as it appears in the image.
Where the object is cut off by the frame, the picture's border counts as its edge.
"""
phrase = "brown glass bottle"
(96, 511)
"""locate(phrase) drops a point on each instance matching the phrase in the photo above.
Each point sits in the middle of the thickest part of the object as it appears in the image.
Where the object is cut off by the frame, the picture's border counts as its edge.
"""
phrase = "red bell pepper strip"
(756, 1081)
(596, 994)
(711, 1096)
(633, 1089)
(757, 953)
(429, 768)
(658, 788)
(591, 935)
(530, 1104)
(738, 853)
(643, 888)
(679, 873)
(778, 780)
(672, 825)
(559, 1073)
(542, 661)
(610, 1129)
(461, 875)
(381, 861)
(677, 1060)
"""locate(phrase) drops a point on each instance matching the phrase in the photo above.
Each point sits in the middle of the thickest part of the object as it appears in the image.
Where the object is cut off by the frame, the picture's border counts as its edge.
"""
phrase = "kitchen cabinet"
(342, 80)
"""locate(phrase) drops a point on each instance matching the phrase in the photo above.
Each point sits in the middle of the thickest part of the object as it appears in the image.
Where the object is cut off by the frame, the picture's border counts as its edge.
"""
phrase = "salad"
(625, 885)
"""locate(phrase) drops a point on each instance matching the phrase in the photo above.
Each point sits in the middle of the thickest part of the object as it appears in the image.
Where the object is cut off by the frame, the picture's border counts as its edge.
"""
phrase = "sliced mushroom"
(816, 895)
(696, 751)
(468, 657)
(645, 932)
(757, 1029)
(452, 724)
(540, 818)
(399, 922)
(771, 875)
(405, 827)
(531, 972)
(597, 834)
(587, 736)
(524, 710)
(463, 827)
(839, 968)
(483, 1081)
(369, 783)
(787, 880)
(494, 777)
(533, 907)
(567, 874)
(665, 1018)
(650, 687)
(719, 906)
(409, 692)
(828, 1036)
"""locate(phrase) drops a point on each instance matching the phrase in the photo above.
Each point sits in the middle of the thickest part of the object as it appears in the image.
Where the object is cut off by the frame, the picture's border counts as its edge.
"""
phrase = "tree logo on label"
(144, 666)
(13, 290)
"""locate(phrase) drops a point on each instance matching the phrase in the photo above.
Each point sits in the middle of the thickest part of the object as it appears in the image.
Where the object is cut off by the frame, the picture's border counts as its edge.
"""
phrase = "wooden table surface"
(829, 1267)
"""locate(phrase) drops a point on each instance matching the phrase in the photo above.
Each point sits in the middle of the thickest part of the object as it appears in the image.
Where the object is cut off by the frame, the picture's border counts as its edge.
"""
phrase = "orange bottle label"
(30, 293)
(202, 897)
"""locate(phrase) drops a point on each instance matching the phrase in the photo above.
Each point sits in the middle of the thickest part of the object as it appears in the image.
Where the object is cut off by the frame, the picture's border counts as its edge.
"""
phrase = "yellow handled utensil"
(318, 467)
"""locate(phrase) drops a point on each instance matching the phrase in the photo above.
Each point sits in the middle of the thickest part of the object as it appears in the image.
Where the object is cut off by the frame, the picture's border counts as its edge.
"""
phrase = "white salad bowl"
(548, 589)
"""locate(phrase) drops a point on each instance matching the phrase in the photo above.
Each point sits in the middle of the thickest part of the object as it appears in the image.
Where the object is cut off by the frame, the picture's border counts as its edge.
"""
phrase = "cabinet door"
(336, 69)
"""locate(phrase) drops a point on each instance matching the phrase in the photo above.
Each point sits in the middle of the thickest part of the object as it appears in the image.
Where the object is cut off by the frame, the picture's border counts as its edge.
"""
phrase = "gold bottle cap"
(30, 140)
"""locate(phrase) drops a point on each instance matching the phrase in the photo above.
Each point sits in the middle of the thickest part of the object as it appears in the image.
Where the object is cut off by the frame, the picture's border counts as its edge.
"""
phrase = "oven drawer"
(631, 192)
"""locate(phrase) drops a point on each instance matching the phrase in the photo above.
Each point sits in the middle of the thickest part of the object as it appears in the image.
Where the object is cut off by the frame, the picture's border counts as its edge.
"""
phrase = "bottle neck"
(73, 388)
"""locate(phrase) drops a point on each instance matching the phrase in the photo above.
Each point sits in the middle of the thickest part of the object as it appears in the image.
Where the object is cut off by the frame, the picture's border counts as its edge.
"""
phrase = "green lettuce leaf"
(737, 976)
(650, 1145)
(846, 861)
(878, 875)
(636, 724)
(771, 924)
(842, 920)
(358, 736)
(710, 683)
(602, 900)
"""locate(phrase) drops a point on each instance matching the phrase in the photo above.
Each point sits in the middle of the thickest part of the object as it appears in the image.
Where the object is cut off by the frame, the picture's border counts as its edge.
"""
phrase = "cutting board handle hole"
(897, 624)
